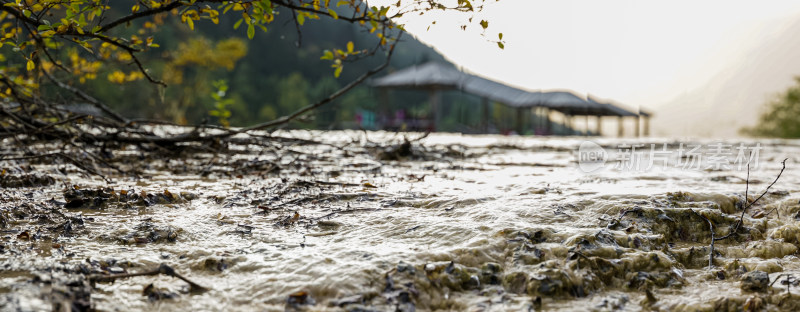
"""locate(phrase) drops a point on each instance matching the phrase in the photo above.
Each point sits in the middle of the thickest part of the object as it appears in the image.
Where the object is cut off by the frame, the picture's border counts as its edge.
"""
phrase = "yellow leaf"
(350, 47)
(190, 23)
(333, 14)
(116, 77)
(338, 71)
(31, 65)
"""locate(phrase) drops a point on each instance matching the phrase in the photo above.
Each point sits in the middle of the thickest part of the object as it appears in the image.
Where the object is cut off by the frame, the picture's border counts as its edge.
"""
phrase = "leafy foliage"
(44, 29)
(780, 117)
(221, 103)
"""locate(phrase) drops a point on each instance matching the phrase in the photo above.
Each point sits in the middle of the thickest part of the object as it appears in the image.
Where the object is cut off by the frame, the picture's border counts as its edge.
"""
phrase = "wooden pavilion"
(436, 77)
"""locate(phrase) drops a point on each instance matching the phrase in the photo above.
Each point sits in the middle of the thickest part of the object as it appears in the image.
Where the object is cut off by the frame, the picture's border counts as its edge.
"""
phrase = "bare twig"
(162, 269)
(711, 228)
(741, 217)
(351, 85)
(85, 97)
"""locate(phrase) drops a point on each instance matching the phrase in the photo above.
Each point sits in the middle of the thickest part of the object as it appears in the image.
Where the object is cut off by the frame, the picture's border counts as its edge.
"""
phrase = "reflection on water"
(473, 223)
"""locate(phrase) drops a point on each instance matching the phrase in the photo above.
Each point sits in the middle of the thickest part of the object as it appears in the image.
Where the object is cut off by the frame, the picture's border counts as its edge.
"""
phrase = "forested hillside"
(272, 75)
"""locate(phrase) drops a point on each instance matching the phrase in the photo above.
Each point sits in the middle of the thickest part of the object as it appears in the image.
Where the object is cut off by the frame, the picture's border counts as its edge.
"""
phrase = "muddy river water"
(461, 223)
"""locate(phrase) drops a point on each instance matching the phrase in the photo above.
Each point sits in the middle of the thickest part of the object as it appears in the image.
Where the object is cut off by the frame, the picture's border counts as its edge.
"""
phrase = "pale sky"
(635, 52)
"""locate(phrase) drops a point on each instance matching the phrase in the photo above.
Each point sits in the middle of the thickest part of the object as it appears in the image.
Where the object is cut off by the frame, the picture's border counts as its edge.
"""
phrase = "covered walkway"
(436, 77)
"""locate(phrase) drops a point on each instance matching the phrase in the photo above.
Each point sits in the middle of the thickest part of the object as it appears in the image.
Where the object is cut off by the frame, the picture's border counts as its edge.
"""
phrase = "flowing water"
(474, 223)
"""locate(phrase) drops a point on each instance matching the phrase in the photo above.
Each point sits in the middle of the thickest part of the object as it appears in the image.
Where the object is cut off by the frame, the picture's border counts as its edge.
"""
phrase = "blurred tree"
(49, 47)
(781, 116)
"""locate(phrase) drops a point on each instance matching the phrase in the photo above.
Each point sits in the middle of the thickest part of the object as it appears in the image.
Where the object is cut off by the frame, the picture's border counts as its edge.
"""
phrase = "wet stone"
(755, 281)
(155, 294)
(516, 282)
(405, 267)
(25, 180)
(147, 232)
(101, 198)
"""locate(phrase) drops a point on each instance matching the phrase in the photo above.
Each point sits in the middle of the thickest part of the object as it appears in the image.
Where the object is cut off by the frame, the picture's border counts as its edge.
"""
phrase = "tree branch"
(343, 90)
(140, 14)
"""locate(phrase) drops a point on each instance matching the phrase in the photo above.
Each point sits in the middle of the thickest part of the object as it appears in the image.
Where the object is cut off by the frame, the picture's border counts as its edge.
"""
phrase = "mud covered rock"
(25, 180)
(101, 198)
(755, 281)
(154, 293)
(453, 276)
(766, 249)
(726, 203)
(554, 283)
(680, 224)
(213, 264)
(516, 282)
(148, 232)
(789, 233)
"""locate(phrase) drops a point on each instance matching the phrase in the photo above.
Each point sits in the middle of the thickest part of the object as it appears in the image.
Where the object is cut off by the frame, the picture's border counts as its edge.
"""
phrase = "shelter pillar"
(568, 124)
(519, 121)
(547, 126)
(485, 116)
(646, 126)
(599, 128)
(435, 99)
(586, 125)
(636, 129)
(383, 108)
(620, 127)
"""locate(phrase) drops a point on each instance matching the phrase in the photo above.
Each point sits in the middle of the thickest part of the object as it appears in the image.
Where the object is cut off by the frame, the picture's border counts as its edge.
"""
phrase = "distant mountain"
(735, 97)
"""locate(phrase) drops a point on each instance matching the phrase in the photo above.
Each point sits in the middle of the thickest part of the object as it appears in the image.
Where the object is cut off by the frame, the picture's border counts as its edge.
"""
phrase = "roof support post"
(435, 99)
(568, 124)
(547, 125)
(646, 126)
(599, 128)
(586, 125)
(620, 127)
(383, 108)
(485, 115)
(636, 129)
(519, 121)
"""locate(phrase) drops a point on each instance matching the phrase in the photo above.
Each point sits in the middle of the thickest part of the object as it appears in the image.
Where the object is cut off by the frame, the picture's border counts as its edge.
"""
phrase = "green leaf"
(484, 24)
(251, 31)
(43, 27)
(301, 19)
(501, 45)
(327, 55)
(26, 13)
(500, 35)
